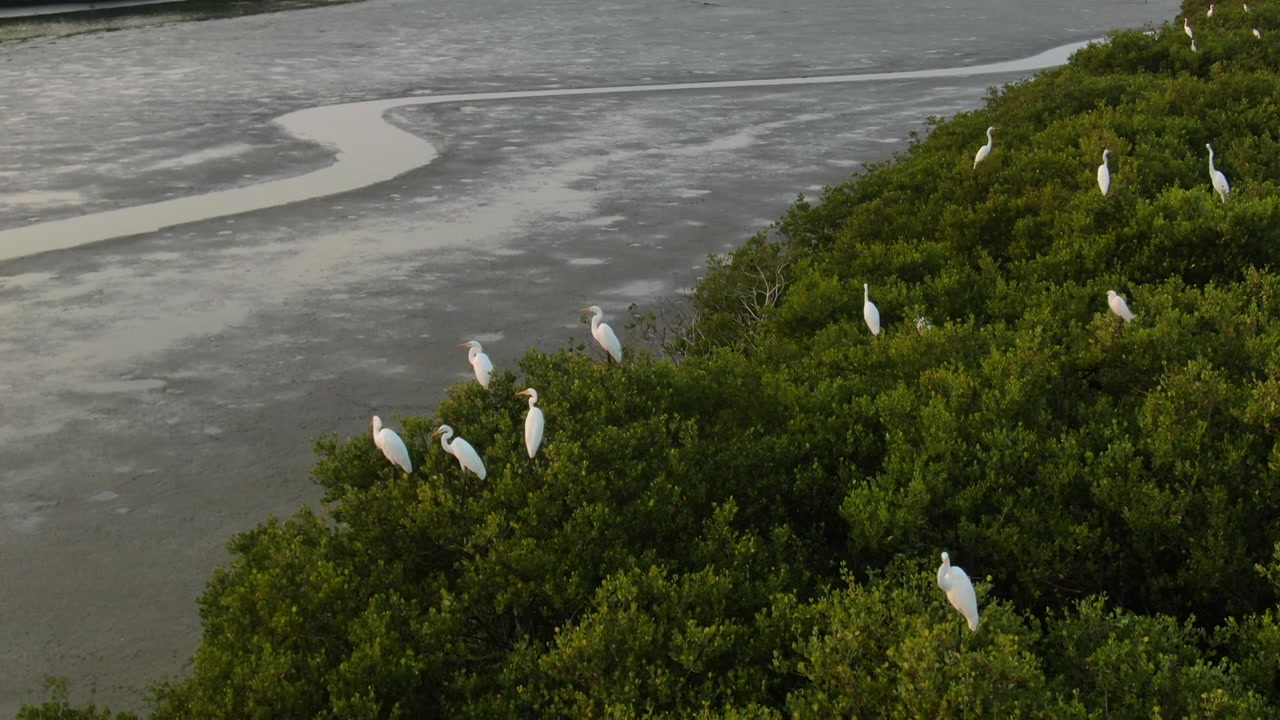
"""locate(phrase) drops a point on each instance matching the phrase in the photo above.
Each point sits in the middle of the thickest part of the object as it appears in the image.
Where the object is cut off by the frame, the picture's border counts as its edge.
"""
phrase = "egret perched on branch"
(870, 312)
(467, 456)
(1210, 13)
(533, 423)
(955, 583)
(1186, 28)
(1104, 174)
(923, 325)
(603, 333)
(985, 150)
(479, 361)
(1246, 7)
(391, 445)
(1193, 44)
(1119, 306)
(1257, 33)
(1220, 184)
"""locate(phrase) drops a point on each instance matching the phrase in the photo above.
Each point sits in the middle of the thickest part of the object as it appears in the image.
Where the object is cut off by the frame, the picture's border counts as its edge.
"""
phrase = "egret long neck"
(1211, 167)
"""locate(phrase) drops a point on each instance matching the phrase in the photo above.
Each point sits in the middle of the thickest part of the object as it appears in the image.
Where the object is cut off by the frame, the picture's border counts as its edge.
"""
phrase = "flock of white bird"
(952, 580)
(1117, 303)
(395, 450)
(1186, 26)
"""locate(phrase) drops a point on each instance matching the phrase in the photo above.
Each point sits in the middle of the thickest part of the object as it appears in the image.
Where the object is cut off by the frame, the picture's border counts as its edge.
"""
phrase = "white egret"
(1246, 7)
(391, 445)
(1210, 13)
(870, 312)
(533, 423)
(1104, 174)
(467, 456)
(1220, 184)
(1193, 44)
(955, 583)
(985, 150)
(603, 333)
(480, 363)
(1186, 28)
(923, 325)
(1119, 306)
(1257, 33)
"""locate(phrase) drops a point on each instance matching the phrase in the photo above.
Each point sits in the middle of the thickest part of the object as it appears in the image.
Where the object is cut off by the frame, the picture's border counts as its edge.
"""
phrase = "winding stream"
(369, 150)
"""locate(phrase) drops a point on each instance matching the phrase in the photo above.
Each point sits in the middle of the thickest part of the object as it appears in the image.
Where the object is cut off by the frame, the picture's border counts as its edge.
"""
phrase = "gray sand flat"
(69, 8)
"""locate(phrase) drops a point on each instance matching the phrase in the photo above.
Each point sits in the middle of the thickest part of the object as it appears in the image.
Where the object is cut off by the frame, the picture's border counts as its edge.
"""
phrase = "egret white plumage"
(1210, 13)
(480, 363)
(391, 445)
(1220, 184)
(1257, 33)
(467, 456)
(1246, 7)
(985, 150)
(1186, 28)
(923, 325)
(603, 334)
(1119, 306)
(1104, 174)
(870, 312)
(959, 589)
(533, 423)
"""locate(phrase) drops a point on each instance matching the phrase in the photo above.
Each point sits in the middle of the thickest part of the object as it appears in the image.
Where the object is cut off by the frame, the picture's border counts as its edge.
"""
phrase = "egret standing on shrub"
(985, 150)
(870, 312)
(1186, 28)
(533, 423)
(1257, 33)
(1119, 306)
(955, 583)
(923, 325)
(1210, 13)
(391, 445)
(1104, 174)
(1220, 184)
(467, 456)
(603, 333)
(480, 363)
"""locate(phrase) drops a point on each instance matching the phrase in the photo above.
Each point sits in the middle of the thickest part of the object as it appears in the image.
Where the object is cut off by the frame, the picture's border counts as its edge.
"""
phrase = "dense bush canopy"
(746, 520)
